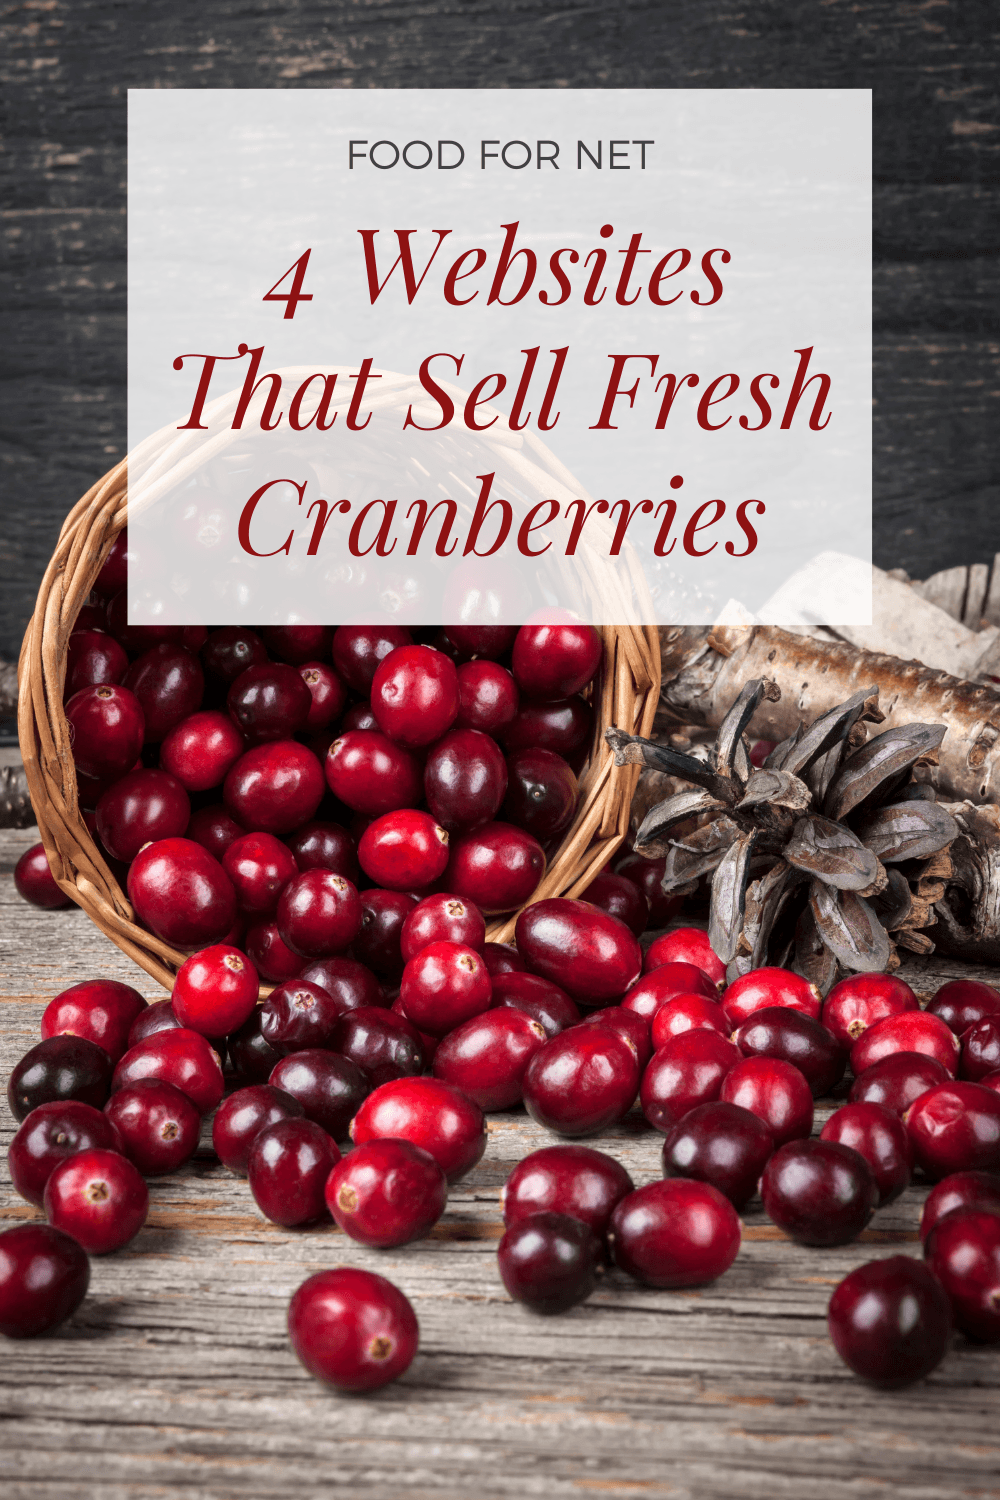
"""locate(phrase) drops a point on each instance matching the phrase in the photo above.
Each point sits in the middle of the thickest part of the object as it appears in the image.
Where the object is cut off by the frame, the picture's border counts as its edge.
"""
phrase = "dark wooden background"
(66, 65)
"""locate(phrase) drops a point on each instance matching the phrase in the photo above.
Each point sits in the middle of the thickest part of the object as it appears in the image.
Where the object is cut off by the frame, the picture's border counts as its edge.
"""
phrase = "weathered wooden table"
(176, 1377)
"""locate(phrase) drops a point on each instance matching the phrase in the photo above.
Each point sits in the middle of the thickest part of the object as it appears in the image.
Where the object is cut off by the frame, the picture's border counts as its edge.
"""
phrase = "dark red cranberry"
(93, 657)
(330, 1088)
(862, 999)
(487, 1056)
(99, 1198)
(981, 1049)
(414, 695)
(158, 1125)
(619, 898)
(260, 866)
(819, 1192)
(776, 1092)
(48, 1135)
(387, 1193)
(273, 788)
(385, 1045)
(890, 1321)
(319, 913)
(581, 1081)
(487, 697)
(404, 850)
(199, 750)
(348, 982)
(371, 774)
(628, 1025)
(685, 945)
(298, 643)
(181, 1057)
(675, 1233)
(240, 1119)
(465, 778)
(566, 1179)
(442, 918)
(287, 1167)
(159, 1016)
(428, 1043)
(489, 641)
(913, 1031)
(881, 1139)
(270, 954)
(360, 716)
(298, 1015)
(722, 1144)
(269, 702)
(496, 865)
(378, 942)
(563, 725)
(549, 1261)
(92, 615)
(444, 985)
(141, 807)
(44, 1276)
(538, 998)
(181, 893)
(980, 1190)
(214, 829)
(253, 1059)
(796, 1038)
(962, 1002)
(102, 1010)
(61, 1067)
(592, 955)
(352, 1329)
(358, 650)
(230, 651)
(106, 728)
(683, 1013)
(647, 875)
(955, 1127)
(113, 576)
(501, 958)
(169, 684)
(897, 1081)
(686, 1072)
(762, 989)
(34, 883)
(325, 846)
(963, 1252)
(328, 693)
(429, 1113)
(541, 794)
(553, 660)
(665, 984)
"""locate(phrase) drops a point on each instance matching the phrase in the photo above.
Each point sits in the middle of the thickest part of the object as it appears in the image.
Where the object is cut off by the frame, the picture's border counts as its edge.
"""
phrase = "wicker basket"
(626, 695)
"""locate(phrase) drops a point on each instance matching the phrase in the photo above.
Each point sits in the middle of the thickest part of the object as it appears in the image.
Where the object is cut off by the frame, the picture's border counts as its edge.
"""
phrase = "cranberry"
(628, 1025)
(298, 643)
(501, 958)
(591, 954)
(99, 1198)
(465, 778)
(371, 774)
(159, 1016)
(61, 1067)
(897, 1080)
(428, 1043)
(442, 918)
(44, 1276)
(215, 990)
(538, 998)
(360, 716)
(487, 697)
(181, 1057)
(274, 788)
(348, 983)
(819, 1192)
(34, 883)
(551, 660)
(269, 702)
(619, 898)
(684, 1013)
(981, 1049)
(685, 1072)
(140, 807)
(541, 792)
(675, 1233)
(270, 954)
(102, 1010)
(563, 726)
(253, 1059)
(199, 750)
(404, 850)
(387, 1193)
(48, 1135)
(496, 865)
(92, 658)
(549, 1261)
(980, 1190)
(287, 1167)
(214, 830)
(566, 1179)
(890, 1321)
(685, 945)
(230, 651)
(385, 1045)
(328, 693)
(486, 1057)
(378, 942)
(647, 876)
(181, 893)
(581, 1081)
(260, 866)
(324, 846)
(331, 1089)
(962, 1002)
(359, 649)
(158, 1125)
(667, 983)
(862, 999)
(955, 1127)
(429, 1113)
(136, 638)
(298, 1015)
(795, 1038)
(776, 1092)
(319, 913)
(169, 684)
(490, 641)
(762, 989)
(880, 1137)
(719, 1143)
(444, 985)
(113, 576)
(913, 1031)
(963, 1252)
(106, 728)
(352, 1329)
(240, 1119)
(414, 695)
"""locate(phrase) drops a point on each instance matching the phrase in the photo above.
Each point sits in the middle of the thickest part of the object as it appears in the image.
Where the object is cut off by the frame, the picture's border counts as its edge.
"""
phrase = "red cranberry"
(169, 684)
(230, 651)
(378, 942)
(269, 702)
(619, 898)
(592, 955)
(566, 1179)
(371, 774)
(287, 1167)
(34, 883)
(687, 1071)
(61, 1067)
(776, 1092)
(719, 1143)
(685, 1013)
(963, 1252)
(92, 658)
(819, 1192)
(541, 792)
(48, 1135)
(383, 1044)
(647, 875)
(665, 984)
(501, 958)
(240, 1119)
(181, 893)
(538, 998)
(387, 1193)
(324, 846)
(200, 749)
(44, 1276)
(352, 1329)
(328, 693)
(862, 999)
(215, 991)
(141, 807)
(428, 1043)
(913, 1031)
(487, 697)
(330, 1088)
(685, 945)
(404, 850)
(270, 954)
(980, 1190)
(274, 787)
(444, 985)
(298, 1015)
(890, 1321)
(359, 649)
(762, 989)
(442, 918)
(106, 728)
(795, 1038)
(962, 1002)
(429, 1113)
(260, 866)
(549, 1261)
(347, 982)
(159, 1016)
(214, 830)
(880, 1137)
(582, 1081)
(319, 913)
(496, 865)
(628, 1025)
(955, 1127)
(99, 1198)
(414, 695)
(675, 1233)
(253, 1059)
(897, 1081)
(981, 1049)
(486, 1057)
(181, 1057)
(563, 726)
(465, 778)
(158, 1125)
(551, 660)
(102, 1010)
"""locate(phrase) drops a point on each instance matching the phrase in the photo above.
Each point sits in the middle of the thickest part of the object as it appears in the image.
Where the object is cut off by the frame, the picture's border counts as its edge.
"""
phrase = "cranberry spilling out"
(675, 1233)
(444, 985)
(200, 750)
(581, 1081)
(330, 1088)
(955, 1127)
(324, 846)
(158, 1125)
(61, 1067)
(384, 1045)
(34, 882)
(140, 807)
(774, 1091)
(347, 982)
(298, 1015)
(538, 998)
(913, 1031)
(487, 1056)
(549, 1261)
(465, 778)
(287, 1168)
(566, 1179)
(619, 898)
(270, 954)
(962, 1002)
(372, 775)
(795, 1038)
(666, 983)
(378, 942)
(501, 958)
(960, 1190)
(240, 1119)
(404, 850)
(215, 990)
(181, 1057)
(99, 1198)
(628, 1025)
(159, 1016)
(352, 1329)
(881, 1139)
(442, 918)
(414, 695)
(687, 1071)
(859, 1001)
(593, 956)
(496, 865)
(981, 1049)
(44, 1276)
(50, 1134)
(319, 913)
(763, 989)
(897, 1081)
(963, 1252)
(684, 1013)
(722, 1144)
(260, 866)
(819, 1192)
(102, 1010)
(890, 1321)
(431, 1114)
(647, 876)
(387, 1193)
(253, 1059)
(181, 893)
(686, 945)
